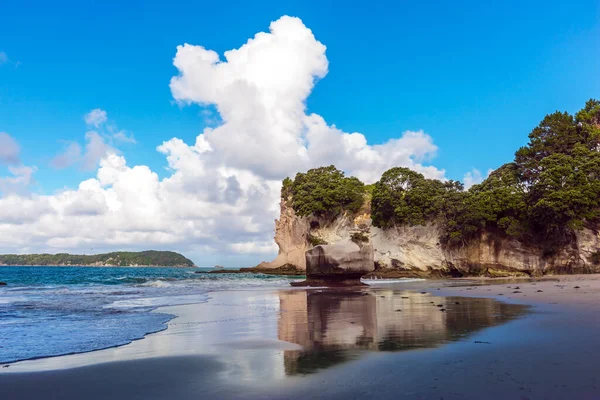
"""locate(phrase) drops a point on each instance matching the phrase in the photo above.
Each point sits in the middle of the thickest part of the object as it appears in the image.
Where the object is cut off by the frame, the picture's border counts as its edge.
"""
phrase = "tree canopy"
(324, 191)
(551, 189)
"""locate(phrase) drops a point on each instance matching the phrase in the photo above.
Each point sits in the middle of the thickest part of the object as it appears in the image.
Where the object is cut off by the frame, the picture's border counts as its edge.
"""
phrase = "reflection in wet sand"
(336, 326)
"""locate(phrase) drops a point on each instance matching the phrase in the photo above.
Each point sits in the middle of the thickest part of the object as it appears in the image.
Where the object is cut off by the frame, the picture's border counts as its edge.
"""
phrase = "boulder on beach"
(342, 263)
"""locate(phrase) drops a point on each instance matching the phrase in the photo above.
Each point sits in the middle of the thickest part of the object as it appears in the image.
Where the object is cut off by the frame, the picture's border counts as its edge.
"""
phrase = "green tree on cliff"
(325, 191)
(551, 189)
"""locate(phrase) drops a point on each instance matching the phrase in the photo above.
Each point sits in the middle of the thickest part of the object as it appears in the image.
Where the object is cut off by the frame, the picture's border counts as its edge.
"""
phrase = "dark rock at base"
(287, 269)
(220, 271)
(2, 283)
(329, 283)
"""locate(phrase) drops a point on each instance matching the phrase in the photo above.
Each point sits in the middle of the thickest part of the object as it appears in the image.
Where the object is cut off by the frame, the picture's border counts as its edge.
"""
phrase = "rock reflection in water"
(336, 326)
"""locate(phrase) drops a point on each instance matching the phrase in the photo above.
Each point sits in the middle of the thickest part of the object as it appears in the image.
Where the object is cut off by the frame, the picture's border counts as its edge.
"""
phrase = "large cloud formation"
(222, 194)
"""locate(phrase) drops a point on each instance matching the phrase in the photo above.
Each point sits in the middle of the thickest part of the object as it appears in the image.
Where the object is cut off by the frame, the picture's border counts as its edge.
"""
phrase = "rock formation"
(341, 263)
(415, 251)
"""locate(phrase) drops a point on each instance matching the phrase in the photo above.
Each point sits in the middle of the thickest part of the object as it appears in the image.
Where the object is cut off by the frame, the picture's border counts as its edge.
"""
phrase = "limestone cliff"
(416, 251)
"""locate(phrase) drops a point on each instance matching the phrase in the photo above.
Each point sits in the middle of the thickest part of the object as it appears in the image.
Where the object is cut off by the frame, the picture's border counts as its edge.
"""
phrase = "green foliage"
(125, 259)
(359, 237)
(286, 188)
(403, 196)
(552, 189)
(560, 167)
(325, 191)
(315, 241)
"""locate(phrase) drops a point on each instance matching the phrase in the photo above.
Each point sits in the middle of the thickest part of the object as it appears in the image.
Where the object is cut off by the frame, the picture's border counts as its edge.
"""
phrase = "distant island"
(148, 258)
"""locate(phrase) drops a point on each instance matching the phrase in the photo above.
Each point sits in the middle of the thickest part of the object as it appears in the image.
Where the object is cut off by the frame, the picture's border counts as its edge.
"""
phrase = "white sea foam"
(154, 302)
(158, 284)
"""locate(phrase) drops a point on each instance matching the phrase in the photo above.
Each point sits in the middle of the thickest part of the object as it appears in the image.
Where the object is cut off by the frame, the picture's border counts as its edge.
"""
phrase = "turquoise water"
(50, 311)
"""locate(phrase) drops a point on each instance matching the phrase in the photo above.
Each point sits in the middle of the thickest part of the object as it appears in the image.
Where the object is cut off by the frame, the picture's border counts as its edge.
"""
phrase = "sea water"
(50, 311)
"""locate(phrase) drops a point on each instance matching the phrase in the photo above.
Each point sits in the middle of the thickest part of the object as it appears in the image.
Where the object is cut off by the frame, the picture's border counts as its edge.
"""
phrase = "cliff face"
(416, 251)
(291, 235)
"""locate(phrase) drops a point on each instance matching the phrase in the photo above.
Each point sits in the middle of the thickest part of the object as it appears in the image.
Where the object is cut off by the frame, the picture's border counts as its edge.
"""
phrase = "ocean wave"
(157, 284)
(66, 306)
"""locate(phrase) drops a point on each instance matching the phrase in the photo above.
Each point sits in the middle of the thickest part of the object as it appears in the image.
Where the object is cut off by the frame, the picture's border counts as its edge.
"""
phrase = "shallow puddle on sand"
(334, 326)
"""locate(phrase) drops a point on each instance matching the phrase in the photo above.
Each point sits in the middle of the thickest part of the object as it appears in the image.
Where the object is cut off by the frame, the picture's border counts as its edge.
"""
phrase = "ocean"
(51, 311)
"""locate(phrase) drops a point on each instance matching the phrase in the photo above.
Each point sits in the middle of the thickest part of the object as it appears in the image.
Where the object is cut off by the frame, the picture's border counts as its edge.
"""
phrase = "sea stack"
(339, 264)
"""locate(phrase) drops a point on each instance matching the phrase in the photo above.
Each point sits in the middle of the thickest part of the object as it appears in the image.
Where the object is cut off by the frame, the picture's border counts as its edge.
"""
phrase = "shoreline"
(517, 356)
(99, 266)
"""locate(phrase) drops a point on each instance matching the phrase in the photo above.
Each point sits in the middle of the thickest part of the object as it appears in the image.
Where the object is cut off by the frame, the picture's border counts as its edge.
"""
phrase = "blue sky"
(476, 77)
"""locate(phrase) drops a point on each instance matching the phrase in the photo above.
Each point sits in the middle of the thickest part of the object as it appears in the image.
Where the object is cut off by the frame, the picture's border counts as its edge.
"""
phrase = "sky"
(169, 125)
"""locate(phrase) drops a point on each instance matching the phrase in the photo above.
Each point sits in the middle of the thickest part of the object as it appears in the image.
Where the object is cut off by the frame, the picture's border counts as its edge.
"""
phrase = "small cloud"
(69, 157)
(20, 181)
(475, 177)
(96, 117)
(124, 137)
(86, 158)
(472, 178)
(95, 149)
(9, 150)
(100, 142)
(5, 60)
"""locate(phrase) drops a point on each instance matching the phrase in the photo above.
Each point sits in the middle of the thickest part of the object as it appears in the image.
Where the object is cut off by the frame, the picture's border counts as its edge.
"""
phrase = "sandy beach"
(459, 339)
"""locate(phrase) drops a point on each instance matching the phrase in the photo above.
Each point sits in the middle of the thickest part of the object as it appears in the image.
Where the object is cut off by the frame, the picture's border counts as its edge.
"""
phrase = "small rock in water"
(500, 294)
(516, 288)
(423, 292)
(577, 287)
(516, 291)
(457, 302)
(442, 309)
(440, 305)
(2, 283)
(404, 297)
(398, 310)
(5, 366)
(539, 291)
(481, 342)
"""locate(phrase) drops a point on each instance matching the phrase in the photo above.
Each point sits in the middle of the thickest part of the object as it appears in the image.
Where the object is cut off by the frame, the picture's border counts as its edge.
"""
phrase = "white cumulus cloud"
(222, 191)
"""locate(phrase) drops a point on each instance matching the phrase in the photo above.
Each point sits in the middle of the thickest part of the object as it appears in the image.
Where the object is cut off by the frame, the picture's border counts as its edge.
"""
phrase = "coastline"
(99, 266)
(556, 342)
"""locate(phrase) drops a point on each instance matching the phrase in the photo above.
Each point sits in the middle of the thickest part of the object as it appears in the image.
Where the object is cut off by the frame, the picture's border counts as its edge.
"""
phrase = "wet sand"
(539, 341)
